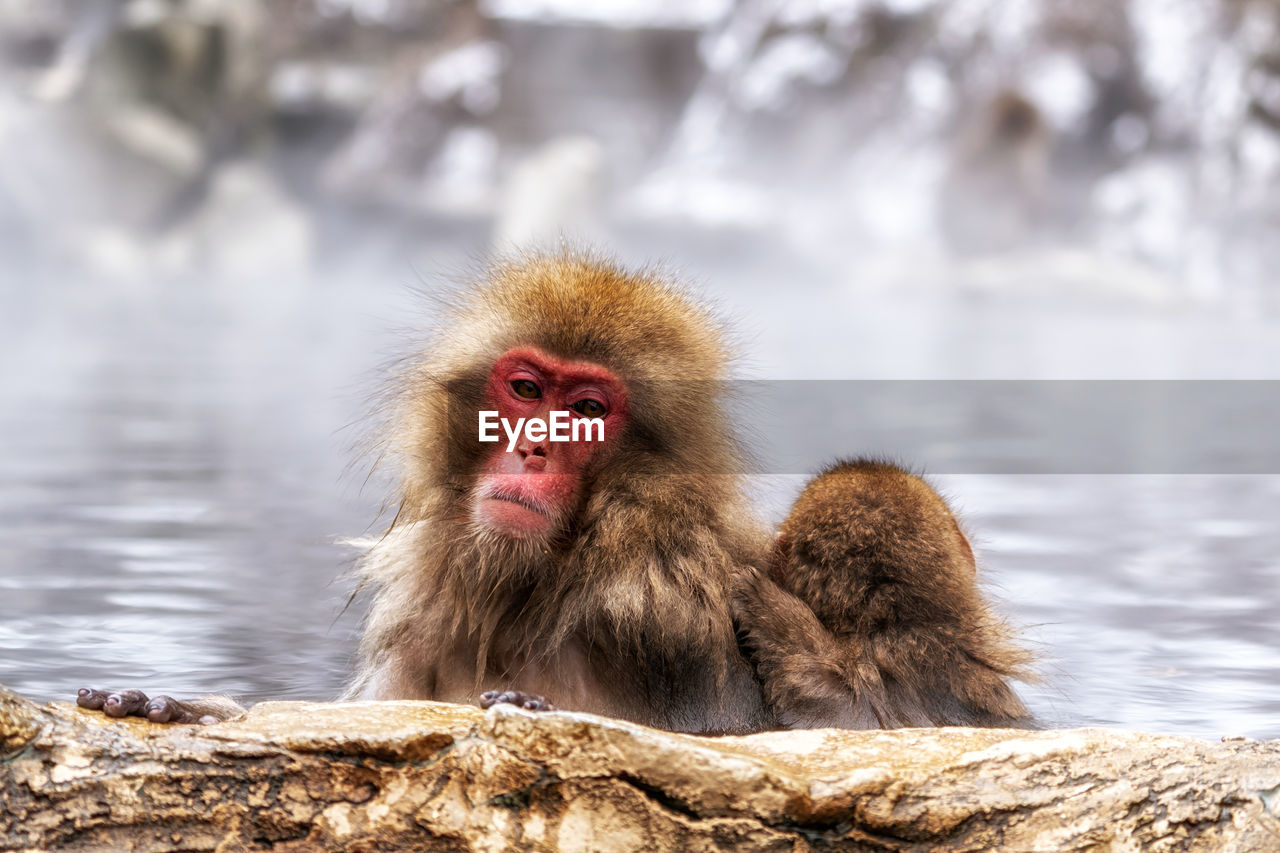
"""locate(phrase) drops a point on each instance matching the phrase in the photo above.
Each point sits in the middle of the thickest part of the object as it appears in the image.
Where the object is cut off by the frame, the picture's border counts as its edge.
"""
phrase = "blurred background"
(219, 217)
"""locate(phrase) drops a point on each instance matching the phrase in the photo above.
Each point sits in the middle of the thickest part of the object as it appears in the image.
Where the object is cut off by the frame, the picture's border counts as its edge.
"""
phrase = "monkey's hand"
(158, 709)
(772, 622)
(808, 678)
(528, 701)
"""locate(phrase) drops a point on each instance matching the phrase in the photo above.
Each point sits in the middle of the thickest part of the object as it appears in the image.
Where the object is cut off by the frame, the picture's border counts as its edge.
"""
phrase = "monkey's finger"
(166, 709)
(527, 701)
(92, 699)
(507, 697)
(126, 703)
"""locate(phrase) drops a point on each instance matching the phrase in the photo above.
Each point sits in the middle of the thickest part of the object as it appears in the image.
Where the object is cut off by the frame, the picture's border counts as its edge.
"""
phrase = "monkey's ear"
(778, 559)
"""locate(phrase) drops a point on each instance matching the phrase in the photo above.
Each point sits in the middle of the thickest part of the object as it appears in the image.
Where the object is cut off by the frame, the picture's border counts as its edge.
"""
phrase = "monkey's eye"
(526, 389)
(589, 408)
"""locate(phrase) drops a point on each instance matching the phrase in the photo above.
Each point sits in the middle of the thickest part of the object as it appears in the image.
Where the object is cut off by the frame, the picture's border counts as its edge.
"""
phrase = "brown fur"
(873, 618)
(628, 612)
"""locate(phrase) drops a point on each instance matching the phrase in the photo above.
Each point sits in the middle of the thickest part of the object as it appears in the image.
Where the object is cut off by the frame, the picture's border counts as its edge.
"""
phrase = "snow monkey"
(871, 615)
(572, 528)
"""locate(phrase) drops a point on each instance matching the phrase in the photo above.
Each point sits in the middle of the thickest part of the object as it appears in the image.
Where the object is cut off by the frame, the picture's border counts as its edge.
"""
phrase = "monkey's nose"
(533, 456)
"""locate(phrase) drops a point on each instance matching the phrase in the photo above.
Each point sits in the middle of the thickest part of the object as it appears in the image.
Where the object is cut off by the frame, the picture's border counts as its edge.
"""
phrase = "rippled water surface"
(174, 482)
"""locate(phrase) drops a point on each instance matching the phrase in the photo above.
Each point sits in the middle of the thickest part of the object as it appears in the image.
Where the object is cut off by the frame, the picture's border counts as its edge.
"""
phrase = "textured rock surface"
(421, 775)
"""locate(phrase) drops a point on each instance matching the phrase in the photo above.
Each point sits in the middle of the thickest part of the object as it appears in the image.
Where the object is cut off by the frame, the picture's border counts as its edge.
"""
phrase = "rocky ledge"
(425, 775)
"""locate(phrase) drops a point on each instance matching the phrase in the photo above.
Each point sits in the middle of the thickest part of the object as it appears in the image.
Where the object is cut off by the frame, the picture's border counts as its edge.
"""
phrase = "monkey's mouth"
(517, 500)
(508, 512)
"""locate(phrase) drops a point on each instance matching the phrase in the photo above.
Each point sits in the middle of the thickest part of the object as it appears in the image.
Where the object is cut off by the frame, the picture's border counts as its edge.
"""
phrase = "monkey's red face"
(553, 418)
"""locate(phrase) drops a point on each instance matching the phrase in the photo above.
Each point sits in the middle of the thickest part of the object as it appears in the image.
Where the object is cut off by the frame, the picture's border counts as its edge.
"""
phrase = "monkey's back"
(881, 561)
(867, 544)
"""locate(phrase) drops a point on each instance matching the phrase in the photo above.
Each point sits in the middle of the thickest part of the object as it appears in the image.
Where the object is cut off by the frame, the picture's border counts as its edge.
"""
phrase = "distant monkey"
(994, 194)
(872, 616)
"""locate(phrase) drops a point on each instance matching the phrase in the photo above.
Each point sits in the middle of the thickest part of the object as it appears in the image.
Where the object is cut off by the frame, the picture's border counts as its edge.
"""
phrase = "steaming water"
(172, 485)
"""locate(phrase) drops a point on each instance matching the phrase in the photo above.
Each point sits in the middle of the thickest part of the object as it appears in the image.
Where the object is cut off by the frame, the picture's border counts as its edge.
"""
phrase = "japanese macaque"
(595, 575)
(994, 193)
(587, 555)
(871, 616)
